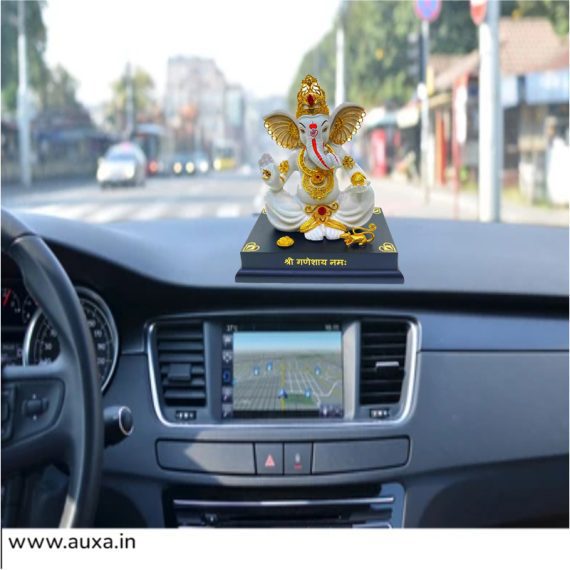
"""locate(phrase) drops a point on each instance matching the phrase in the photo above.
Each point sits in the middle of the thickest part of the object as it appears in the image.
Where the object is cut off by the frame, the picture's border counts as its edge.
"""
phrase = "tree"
(36, 44)
(144, 102)
(376, 38)
(555, 10)
(453, 32)
(61, 90)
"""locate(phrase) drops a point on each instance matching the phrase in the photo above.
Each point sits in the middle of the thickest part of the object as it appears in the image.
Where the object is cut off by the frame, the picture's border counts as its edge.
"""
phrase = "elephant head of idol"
(314, 128)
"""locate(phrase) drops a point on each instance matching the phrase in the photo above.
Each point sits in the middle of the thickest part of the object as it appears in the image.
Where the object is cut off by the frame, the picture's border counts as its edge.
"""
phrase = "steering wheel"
(51, 413)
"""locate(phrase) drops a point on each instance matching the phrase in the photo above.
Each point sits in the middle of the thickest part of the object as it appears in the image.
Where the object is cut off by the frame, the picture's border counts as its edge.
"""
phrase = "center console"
(269, 403)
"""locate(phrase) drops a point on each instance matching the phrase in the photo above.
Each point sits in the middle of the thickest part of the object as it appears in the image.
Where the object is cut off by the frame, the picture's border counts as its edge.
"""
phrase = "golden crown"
(311, 98)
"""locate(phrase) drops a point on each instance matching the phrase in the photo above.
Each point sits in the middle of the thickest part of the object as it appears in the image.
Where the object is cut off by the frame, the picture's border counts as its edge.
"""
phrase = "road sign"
(478, 11)
(427, 10)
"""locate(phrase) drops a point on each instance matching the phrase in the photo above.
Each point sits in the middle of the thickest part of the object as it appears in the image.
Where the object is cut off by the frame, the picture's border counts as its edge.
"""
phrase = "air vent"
(382, 361)
(180, 363)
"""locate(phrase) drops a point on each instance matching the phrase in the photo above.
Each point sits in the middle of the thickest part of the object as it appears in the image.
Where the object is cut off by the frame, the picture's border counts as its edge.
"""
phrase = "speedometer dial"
(41, 343)
(29, 307)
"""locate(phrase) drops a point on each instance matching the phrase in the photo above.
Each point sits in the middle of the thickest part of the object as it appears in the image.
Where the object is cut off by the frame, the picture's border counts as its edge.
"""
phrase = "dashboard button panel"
(298, 458)
(229, 458)
(346, 456)
(269, 458)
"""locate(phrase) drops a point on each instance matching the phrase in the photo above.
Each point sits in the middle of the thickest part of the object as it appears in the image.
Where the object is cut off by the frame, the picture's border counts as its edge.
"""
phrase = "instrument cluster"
(29, 339)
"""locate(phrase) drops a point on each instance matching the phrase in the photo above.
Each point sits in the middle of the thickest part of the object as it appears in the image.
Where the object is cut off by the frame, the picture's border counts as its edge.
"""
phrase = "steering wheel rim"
(69, 426)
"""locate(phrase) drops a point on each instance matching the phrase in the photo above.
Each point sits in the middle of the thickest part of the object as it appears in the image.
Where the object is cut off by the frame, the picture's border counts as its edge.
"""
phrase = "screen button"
(298, 458)
(227, 395)
(227, 377)
(269, 458)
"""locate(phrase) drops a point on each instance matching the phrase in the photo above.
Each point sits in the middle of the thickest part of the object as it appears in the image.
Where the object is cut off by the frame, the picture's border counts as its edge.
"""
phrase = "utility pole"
(340, 95)
(130, 104)
(490, 117)
(424, 100)
(23, 108)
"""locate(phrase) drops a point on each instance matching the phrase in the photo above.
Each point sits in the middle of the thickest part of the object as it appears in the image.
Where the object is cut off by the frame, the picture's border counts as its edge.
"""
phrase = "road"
(216, 195)
(233, 194)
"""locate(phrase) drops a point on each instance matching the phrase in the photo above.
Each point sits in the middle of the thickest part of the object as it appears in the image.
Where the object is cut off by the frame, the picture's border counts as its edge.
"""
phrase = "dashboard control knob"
(119, 424)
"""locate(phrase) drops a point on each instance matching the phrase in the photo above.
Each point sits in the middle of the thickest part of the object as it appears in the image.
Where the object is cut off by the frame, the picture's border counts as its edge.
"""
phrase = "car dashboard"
(442, 402)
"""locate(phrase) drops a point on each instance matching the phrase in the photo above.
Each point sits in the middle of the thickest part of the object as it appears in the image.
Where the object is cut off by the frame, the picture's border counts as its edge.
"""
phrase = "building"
(194, 103)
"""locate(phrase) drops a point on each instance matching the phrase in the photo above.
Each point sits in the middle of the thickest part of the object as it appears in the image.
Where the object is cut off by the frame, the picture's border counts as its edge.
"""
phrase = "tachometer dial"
(41, 343)
(11, 306)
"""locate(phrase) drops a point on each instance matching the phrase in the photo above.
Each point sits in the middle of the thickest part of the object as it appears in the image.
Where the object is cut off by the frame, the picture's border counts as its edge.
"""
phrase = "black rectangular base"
(263, 261)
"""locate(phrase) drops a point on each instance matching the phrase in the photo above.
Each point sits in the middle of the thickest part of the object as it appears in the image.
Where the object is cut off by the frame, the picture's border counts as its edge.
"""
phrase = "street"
(239, 194)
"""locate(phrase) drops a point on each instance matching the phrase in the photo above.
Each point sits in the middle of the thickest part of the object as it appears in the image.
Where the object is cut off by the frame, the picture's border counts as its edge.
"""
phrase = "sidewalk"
(408, 200)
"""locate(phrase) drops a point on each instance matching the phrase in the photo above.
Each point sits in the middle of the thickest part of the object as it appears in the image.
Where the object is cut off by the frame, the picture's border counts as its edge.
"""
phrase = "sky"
(280, 342)
(258, 44)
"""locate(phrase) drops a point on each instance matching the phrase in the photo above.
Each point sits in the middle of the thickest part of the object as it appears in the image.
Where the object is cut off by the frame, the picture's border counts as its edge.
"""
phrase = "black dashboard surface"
(435, 256)
(489, 426)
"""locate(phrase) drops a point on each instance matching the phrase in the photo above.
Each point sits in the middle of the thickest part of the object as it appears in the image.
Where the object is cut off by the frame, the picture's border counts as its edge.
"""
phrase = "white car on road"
(123, 164)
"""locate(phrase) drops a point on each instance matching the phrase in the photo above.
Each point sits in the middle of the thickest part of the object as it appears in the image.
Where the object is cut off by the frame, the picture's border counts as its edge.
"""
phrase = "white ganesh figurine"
(319, 209)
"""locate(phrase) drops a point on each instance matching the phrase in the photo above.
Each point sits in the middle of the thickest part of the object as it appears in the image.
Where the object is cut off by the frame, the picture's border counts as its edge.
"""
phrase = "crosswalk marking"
(105, 212)
(228, 211)
(151, 211)
(190, 210)
(110, 212)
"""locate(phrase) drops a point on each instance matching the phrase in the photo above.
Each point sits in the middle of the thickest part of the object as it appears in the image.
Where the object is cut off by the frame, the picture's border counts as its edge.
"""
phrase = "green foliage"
(453, 31)
(143, 96)
(319, 62)
(376, 38)
(61, 90)
(377, 51)
(555, 10)
(36, 43)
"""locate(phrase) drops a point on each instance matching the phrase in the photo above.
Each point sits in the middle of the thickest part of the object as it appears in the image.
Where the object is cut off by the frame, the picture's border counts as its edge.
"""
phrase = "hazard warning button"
(269, 458)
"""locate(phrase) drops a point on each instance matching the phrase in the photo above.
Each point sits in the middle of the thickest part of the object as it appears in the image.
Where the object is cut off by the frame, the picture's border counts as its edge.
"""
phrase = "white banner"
(302, 549)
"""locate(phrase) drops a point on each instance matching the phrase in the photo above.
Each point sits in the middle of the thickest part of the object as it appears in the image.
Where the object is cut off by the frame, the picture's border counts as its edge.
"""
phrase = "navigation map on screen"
(289, 373)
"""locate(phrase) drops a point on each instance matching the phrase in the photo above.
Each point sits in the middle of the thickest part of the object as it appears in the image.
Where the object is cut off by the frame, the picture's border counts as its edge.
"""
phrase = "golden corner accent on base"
(250, 247)
(315, 262)
(387, 247)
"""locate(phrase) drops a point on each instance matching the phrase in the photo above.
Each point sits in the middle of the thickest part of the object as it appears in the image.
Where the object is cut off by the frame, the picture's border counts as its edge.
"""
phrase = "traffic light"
(415, 57)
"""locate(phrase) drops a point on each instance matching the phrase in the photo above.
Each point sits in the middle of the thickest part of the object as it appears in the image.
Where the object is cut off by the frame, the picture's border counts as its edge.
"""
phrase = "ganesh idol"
(318, 209)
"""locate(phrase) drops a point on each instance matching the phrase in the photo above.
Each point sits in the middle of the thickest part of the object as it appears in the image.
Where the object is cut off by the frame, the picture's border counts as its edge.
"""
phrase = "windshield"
(453, 129)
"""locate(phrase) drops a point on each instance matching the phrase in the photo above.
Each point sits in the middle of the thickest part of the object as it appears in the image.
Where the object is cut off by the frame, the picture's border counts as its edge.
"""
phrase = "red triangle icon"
(270, 462)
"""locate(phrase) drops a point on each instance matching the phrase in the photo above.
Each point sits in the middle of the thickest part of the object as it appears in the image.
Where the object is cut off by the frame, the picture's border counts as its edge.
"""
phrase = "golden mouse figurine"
(319, 209)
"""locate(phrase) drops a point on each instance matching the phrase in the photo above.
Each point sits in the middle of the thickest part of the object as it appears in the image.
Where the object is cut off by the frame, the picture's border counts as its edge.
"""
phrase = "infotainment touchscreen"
(282, 374)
